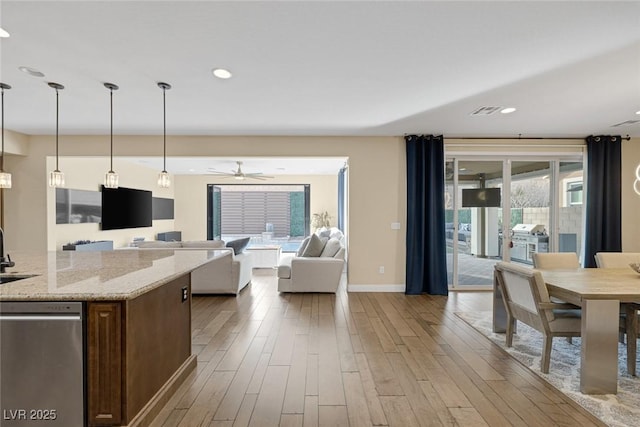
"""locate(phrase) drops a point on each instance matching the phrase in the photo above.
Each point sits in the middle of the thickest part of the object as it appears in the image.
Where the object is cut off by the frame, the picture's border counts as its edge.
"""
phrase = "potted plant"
(321, 219)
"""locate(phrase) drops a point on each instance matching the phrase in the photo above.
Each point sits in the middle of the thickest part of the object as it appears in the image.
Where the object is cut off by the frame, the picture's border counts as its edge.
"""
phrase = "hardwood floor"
(354, 359)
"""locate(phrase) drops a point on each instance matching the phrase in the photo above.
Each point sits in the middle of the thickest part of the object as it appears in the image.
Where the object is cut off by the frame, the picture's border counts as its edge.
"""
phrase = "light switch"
(395, 226)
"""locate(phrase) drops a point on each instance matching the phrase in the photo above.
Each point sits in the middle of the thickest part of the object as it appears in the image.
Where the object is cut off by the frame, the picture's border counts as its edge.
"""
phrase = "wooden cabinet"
(134, 348)
(104, 360)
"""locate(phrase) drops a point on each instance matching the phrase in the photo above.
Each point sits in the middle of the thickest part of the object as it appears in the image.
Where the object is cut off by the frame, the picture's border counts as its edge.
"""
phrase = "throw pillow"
(238, 245)
(323, 232)
(314, 248)
(303, 246)
(331, 248)
(336, 233)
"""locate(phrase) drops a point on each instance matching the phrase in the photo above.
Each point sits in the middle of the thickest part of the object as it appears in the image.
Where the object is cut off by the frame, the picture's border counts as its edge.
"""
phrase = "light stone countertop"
(93, 276)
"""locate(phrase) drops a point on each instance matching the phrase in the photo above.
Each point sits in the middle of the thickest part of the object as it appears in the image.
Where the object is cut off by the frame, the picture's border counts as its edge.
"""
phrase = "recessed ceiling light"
(3, 33)
(31, 71)
(507, 110)
(221, 73)
(638, 112)
(192, 170)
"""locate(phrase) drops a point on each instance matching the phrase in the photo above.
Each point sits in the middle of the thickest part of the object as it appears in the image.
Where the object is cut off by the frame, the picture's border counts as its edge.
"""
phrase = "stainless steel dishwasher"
(42, 364)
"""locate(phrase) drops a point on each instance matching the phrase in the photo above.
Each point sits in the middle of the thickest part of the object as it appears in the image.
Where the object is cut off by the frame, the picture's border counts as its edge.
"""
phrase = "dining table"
(601, 293)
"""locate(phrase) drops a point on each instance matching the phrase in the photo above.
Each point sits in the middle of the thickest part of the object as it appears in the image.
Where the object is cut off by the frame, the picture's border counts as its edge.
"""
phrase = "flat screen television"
(126, 208)
(480, 197)
(162, 208)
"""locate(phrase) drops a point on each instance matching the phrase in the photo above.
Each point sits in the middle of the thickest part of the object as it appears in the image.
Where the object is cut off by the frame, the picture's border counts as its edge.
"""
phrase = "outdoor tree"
(532, 193)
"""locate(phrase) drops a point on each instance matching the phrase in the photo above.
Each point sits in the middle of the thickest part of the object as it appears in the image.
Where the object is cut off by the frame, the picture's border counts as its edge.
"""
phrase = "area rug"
(616, 410)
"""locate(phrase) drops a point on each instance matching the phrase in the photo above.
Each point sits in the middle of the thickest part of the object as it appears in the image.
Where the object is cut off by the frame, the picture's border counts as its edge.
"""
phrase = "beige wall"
(191, 199)
(377, 188)
(87, 174)
(630, 199)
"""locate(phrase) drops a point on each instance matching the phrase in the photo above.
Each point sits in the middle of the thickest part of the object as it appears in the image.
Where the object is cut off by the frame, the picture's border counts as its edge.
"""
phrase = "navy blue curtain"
(426, 244)
(604, 200)
(341, 195)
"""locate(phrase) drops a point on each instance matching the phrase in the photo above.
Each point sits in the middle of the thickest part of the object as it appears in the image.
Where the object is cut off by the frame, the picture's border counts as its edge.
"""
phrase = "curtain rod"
(624, 138)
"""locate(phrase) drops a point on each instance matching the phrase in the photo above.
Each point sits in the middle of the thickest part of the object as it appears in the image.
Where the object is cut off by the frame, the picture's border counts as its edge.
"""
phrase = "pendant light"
(111, 178)
(56, 178)
(164, 180)
(5, 177)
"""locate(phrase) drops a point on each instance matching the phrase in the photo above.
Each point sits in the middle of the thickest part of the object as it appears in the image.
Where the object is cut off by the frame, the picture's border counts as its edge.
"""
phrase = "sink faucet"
(4, 263)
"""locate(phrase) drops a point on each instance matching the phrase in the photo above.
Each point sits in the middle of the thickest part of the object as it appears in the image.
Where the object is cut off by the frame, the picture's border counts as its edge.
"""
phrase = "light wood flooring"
(354, 359)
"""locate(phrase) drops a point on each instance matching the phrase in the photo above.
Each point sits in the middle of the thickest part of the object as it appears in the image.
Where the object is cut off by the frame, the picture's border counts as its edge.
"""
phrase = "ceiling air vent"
(485, 111)
(626, 123)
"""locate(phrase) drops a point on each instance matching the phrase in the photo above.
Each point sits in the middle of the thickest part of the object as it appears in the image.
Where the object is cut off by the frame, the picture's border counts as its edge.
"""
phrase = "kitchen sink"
(14, 277)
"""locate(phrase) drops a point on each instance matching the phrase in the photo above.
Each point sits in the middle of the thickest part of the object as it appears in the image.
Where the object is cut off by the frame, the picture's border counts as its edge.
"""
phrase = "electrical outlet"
(381, 269)
(185, 293)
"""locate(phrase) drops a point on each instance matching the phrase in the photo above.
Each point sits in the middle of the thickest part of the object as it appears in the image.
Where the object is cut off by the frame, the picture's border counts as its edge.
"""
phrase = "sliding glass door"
(473, 220)
(506, 209)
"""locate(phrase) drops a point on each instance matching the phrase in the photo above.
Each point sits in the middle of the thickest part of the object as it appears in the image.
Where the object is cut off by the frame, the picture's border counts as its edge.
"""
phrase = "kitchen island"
(137, 327)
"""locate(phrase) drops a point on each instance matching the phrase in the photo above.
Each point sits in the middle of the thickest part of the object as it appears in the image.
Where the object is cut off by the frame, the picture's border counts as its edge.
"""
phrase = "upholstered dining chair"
(616, 259)
(622, 260)
(526, 299)
(556, 261)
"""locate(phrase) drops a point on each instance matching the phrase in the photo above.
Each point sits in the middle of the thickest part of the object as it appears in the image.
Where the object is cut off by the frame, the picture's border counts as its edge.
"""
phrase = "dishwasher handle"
(38, 317)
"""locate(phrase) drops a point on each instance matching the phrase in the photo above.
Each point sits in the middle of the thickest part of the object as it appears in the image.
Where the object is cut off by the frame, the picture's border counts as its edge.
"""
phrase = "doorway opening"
(267, 214)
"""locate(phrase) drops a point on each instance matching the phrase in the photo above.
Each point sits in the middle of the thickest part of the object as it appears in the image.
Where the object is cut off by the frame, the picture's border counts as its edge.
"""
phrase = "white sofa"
(227, 273)
(319, 273)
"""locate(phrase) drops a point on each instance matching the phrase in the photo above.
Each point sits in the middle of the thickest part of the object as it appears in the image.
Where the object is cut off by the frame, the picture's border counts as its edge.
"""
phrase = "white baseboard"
(376, 288)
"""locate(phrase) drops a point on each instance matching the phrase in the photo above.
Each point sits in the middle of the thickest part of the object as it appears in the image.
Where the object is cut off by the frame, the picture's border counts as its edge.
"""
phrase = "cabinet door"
(104, 364)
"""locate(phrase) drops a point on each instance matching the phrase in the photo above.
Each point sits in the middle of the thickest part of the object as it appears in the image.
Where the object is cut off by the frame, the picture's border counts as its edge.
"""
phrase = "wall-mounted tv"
(480, 197)
(126, 208)
(162, 208)
(77, 206)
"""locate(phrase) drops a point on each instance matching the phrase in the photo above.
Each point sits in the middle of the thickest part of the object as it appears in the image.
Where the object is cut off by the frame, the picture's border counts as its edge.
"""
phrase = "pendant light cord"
(2, 157)
(111, 131)
(57, 170)
(164, 128)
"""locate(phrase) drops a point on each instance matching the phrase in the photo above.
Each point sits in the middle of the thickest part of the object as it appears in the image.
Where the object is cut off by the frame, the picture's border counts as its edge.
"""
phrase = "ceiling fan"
(238, 174)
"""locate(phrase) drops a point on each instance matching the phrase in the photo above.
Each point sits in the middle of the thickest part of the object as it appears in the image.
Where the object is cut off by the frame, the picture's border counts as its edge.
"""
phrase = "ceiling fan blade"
(221, 174)
(257, 175)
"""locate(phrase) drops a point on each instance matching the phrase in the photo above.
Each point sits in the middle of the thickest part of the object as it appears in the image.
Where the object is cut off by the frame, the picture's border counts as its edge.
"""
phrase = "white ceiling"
(325, 67)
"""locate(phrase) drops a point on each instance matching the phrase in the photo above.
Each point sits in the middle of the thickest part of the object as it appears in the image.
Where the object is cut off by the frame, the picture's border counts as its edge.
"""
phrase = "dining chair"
(616, 259)
(555, 260)
(526, 299)
(622, 260)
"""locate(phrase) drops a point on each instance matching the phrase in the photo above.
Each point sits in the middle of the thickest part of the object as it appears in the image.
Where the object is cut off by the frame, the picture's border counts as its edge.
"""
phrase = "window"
(574, 193)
